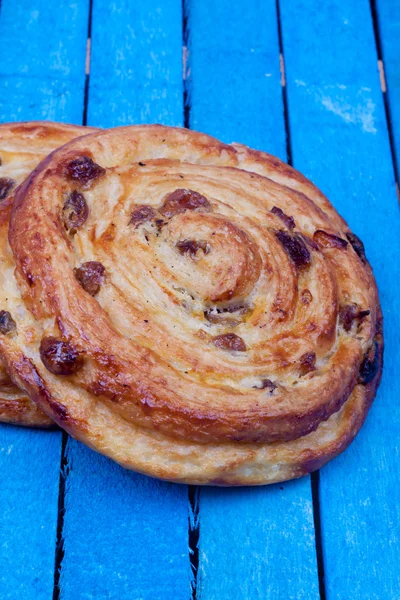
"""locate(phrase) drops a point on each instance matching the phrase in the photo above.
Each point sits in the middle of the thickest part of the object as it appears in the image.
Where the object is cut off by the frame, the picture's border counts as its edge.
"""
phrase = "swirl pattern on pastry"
(197, 311)
(22, 147)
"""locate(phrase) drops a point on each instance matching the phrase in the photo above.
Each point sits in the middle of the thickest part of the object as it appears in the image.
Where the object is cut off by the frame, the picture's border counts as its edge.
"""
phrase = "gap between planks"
(193, 490)
(64, 468)
(59, 553)
(314, 476)
(378, 45)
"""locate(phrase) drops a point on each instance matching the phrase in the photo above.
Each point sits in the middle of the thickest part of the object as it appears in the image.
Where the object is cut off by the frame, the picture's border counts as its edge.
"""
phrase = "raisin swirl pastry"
(22, 147)
(197, 311)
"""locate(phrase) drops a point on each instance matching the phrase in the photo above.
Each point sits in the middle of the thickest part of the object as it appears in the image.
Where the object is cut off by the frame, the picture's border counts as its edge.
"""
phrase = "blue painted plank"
(29, 464)
(42, 60)
(254, 543)
(42, 74)
(136, 63)
(126, 535)
(233, 73)
(388, 14)
(340, 140)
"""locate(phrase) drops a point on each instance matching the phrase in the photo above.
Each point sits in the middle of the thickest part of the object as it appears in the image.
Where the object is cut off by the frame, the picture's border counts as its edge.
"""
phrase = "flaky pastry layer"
(22, 147)
(194, 310)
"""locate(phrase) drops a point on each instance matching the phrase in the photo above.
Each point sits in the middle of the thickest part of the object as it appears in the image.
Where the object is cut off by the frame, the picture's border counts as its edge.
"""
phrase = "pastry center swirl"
(200, 300)
(216, 259)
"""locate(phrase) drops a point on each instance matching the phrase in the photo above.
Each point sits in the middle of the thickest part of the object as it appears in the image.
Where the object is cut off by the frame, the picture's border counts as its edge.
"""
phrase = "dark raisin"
(90, 275)
(59, 357)
(141, 164)
(363, 313)
(230, 341)
(328, 240)
(266, 384)
(350, 313)
(370, 364)
(159, 224)
(84, 170)
(191, 247)
(7, 323)
(307, 363)
(347, 314)
(296, 249)
(289, 221)
(141, 214)
(306, 297)
(181, 200)
(357, 244)
(75, 210)
(6, 185)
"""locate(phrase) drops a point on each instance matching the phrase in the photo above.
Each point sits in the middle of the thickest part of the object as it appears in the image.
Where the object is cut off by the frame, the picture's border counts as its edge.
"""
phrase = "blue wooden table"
(318, 84)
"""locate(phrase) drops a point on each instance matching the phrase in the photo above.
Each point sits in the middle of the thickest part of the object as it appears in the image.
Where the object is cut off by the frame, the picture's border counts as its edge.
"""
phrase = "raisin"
(59, 357)
(90, 275)
(230, 341)
(307, 363)
(363, 313)
(296, 249)
(7, 323)
(159, 224)
(75, 210)
(182, 200)
(266, 384)
(141, 214)
(357, 244)
(349, 313)
(370, 364)
(306, 297)
(84, 170)
(6, 185)
(328, 240)
(191, 247)
(289, 221)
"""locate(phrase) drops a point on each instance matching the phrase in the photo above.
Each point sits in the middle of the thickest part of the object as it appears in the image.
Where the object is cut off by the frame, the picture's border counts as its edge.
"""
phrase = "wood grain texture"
(126, 535)
(233, 74)
(388, 21)
(29, 463)
(254, 543)
(136, 63)
(340, 140)
(42, 77)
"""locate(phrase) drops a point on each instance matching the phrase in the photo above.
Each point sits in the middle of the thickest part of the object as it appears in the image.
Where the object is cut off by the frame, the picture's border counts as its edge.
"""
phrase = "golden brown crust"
(22, 147)
(210, 313)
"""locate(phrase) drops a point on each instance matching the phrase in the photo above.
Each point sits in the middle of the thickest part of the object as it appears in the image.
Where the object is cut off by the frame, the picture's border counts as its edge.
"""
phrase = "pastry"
(22, 147)
(196, 311)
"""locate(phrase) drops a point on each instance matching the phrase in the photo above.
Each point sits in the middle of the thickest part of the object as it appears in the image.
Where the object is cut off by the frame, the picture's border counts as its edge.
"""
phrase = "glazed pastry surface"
(196, 311)
(22, 147)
